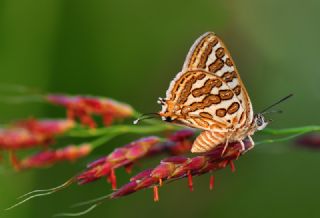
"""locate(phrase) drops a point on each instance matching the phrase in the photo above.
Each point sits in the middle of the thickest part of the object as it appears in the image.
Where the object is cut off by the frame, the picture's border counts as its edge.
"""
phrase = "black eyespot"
(168, 119)
(229, 121)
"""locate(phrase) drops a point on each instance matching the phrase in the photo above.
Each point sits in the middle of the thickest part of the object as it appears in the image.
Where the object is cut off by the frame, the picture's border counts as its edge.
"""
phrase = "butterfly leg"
(244, 150)
(243, 147)
(251, 143)
(225, 147)
(161, 101)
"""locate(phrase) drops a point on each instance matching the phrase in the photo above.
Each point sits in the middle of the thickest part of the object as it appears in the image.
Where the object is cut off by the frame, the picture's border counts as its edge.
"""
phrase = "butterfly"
(208, 94)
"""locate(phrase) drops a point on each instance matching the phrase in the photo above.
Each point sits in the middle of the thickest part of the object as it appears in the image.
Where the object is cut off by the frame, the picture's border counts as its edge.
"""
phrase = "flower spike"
(50, 157)
(83, 107)
(172, 169)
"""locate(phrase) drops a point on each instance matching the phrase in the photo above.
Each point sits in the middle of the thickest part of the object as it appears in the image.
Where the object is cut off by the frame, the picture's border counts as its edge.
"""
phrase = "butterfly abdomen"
(206, 141)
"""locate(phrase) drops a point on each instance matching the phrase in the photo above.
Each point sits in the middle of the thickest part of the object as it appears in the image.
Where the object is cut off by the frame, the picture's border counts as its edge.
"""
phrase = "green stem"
(106, 134)
(268, 141)
(100, 141)
(139, 129)
(296, 130)
(21, 99)
(121, 129)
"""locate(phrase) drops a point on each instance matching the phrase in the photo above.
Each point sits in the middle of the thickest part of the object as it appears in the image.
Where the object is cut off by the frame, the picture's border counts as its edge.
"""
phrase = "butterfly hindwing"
(210, 54)
(205, 101)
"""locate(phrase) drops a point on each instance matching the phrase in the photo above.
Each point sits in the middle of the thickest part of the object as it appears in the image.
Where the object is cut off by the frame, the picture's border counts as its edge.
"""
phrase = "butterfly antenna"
(145, 117)
(276, 103)
(273, 112)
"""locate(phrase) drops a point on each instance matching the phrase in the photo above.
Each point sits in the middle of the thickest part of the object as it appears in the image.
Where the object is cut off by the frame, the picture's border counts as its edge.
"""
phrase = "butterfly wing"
(202, 100)
(210, 54)
(208, 71)
(208, 94)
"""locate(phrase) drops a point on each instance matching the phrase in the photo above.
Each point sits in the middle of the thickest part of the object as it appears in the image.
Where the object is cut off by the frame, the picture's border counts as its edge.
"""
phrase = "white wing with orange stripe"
(208, 94)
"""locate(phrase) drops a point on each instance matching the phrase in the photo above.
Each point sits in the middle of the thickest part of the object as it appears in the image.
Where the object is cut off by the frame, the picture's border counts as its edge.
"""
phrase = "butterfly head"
(166, 111)
(260, 122)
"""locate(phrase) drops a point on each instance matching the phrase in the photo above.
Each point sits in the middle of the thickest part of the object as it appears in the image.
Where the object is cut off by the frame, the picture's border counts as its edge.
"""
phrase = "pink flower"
(32, 132)
(177, 143)
(311, 141)
(46, 127)
(177, 167)
(83, 107)
(182, 141)
(50, 157)
(19, 138)
(120, 157)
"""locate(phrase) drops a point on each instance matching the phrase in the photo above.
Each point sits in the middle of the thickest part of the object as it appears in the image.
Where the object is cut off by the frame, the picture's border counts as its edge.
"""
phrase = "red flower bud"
(120, 157)
(50, 157)
(46, 127)
(83, 107)
(181, 135)
(311, 141)
(29, 133)
(174, 168)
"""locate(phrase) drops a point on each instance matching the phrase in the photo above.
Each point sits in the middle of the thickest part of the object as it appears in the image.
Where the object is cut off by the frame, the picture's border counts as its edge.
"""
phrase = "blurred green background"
(130, 50)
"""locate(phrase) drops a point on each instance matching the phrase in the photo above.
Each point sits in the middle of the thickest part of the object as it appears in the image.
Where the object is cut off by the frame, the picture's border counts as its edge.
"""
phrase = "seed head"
(32, 132)
(120, 157)
(83, 107)
(178, 167)
(50, 157)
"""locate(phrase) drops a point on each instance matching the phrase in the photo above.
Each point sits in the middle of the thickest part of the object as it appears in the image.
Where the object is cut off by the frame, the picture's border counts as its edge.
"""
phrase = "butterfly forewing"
(209, 53)
(208, 94)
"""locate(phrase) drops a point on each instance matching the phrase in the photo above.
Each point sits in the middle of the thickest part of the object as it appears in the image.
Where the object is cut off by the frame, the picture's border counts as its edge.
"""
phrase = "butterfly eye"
(168, 119)
(259, 122)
